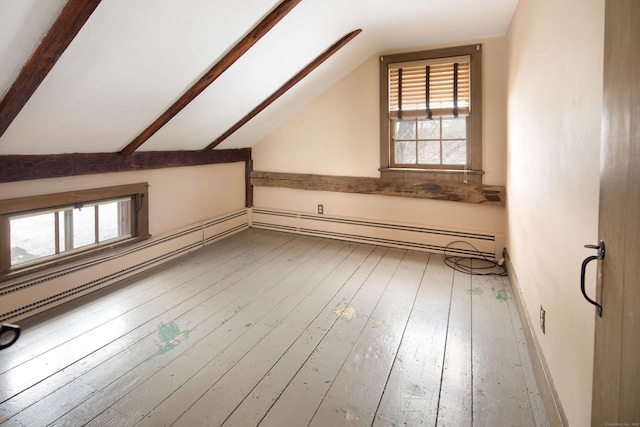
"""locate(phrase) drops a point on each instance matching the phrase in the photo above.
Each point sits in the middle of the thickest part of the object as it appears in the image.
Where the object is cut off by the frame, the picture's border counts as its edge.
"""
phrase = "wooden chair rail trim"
(468, 193)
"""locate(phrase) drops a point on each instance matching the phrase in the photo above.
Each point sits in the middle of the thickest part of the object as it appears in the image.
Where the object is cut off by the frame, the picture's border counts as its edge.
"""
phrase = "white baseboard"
(548, 393)
(406, 236)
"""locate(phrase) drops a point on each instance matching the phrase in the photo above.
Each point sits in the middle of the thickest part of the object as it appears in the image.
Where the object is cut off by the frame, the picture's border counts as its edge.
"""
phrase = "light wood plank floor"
(278, 329)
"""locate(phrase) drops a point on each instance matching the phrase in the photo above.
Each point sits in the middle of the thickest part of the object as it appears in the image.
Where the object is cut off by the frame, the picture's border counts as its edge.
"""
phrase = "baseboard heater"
(26, 296)
(398, 235)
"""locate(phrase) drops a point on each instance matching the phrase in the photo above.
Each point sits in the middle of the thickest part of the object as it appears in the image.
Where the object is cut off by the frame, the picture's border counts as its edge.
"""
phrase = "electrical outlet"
(542, 319)
(321, 209)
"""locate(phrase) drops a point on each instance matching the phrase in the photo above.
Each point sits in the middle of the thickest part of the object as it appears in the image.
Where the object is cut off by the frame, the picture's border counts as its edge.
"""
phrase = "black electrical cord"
(477, 266)
(13, 332)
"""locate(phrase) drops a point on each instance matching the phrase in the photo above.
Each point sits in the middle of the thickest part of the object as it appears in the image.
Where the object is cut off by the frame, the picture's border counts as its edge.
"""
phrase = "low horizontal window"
(42, 235)
(75, 224)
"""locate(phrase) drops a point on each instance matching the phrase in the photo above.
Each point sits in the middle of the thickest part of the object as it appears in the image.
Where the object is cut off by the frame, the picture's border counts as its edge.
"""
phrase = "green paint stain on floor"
(477, 291)
(240, 308)
(502, 294)
(170, 336)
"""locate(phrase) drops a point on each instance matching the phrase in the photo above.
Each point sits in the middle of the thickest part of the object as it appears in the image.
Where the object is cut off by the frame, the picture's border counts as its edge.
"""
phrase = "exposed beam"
(72, 18)
(248, 168)
(468, 193)
(27, 167)
(284, 88)
(210, 76)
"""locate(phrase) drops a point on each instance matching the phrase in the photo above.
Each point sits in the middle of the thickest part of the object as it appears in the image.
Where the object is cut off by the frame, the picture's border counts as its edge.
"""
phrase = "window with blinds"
(431, 113)
(439, 87)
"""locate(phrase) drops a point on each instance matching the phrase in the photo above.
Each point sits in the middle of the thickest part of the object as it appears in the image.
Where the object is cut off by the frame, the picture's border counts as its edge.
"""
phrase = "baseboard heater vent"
(404, 236)
(27, 296)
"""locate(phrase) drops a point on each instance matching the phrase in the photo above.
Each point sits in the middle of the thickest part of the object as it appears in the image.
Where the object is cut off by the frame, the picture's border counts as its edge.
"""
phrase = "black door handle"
(15, 329)
(601, 251)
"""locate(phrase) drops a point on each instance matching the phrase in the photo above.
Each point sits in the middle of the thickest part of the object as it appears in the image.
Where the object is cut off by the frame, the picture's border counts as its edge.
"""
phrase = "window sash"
(442, 139)
(68, 233)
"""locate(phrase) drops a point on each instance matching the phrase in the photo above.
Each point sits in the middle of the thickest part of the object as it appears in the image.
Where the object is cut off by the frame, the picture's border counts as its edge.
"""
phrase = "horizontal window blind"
(430, 88)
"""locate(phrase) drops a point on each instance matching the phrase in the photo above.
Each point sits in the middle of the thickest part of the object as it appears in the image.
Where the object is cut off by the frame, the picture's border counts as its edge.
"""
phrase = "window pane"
(124, 217)
(65, 230)
(113, 218)
(454, 152)
(405, 129)
(454, 128)
(429, 152)
(429, 129)
(32, 237)
(84, 232)
(405, 152)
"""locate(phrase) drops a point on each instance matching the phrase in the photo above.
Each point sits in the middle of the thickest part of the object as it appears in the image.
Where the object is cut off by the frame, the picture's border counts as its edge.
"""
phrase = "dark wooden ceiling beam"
(210, 76)
(15, 168)
(284, 88)
(72, 18)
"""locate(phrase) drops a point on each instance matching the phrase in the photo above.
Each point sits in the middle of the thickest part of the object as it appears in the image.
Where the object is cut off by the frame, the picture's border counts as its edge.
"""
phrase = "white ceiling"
(135, 58)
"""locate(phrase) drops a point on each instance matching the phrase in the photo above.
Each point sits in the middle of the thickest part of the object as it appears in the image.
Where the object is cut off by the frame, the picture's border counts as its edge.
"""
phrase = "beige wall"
(554, 103)
(177, 196)
(338, 134)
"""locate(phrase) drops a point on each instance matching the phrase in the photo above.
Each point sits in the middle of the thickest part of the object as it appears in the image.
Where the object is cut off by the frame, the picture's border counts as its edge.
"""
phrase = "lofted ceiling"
(133, 59)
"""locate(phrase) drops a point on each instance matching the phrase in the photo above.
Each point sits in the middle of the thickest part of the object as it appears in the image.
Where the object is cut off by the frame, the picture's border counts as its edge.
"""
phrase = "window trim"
(10, 207)
(472, 174)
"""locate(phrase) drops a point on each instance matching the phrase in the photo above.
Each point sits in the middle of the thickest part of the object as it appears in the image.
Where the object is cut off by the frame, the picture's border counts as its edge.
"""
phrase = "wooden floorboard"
(303, 395)
(288, 340)
(254, 407)
(456, 397)
(273, 329)
(211, 325)
(70, 321)
(412, 393)
(499, 388)
(357, 401)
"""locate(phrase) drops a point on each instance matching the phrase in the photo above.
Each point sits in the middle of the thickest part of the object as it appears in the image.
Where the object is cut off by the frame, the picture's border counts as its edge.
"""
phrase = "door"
(616, 382)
